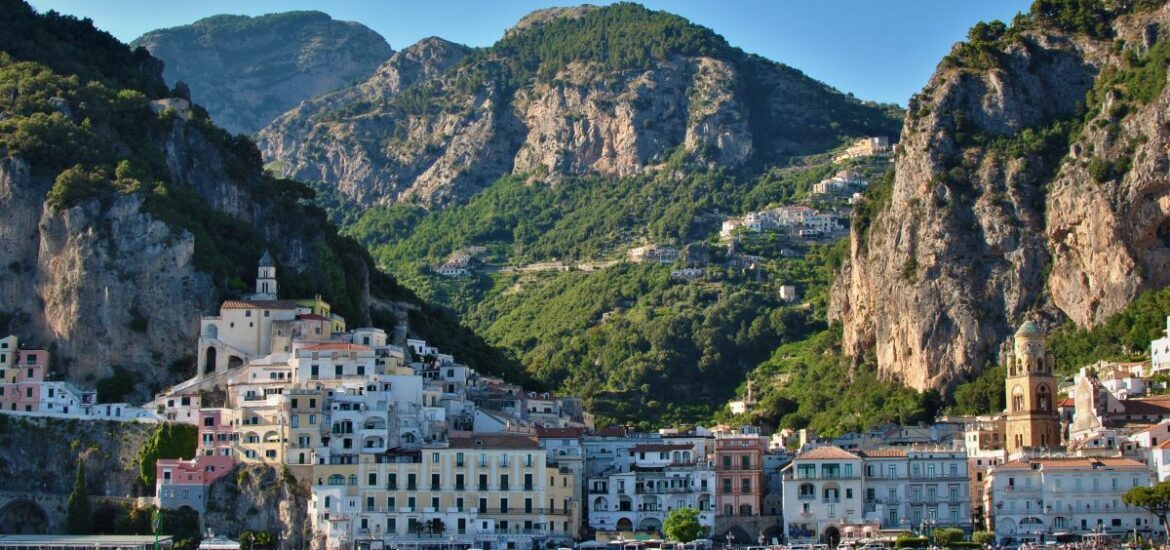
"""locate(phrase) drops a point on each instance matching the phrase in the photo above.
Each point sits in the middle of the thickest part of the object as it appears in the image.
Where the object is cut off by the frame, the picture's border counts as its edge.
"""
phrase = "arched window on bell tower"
(1017, 399)
(1043, 399)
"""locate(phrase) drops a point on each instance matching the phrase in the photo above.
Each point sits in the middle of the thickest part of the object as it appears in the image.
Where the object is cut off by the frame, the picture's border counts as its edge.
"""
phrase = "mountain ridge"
(247, 70)
(609, 91)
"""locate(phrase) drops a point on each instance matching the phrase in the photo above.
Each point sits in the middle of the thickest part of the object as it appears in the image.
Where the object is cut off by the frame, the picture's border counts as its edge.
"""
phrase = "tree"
(1155, 500)
(77, 518)
(436, 527)
(944, 536)
(682, 525)
(983, 537)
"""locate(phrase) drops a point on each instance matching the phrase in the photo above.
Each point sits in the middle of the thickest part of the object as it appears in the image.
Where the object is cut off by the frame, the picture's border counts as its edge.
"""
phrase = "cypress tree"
(77, 518)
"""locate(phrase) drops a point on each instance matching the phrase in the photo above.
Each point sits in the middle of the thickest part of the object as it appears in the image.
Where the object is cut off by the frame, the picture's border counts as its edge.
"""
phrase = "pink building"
(21, 378)
(181, 483)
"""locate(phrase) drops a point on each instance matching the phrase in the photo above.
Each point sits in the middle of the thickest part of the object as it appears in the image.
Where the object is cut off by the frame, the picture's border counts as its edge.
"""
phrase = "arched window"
(1017, 399)
(337, 479)
(353, 479)
(1043, 398)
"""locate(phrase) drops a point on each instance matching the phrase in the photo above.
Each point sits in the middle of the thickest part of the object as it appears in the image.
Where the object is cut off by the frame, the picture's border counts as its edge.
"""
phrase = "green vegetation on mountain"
(809, 384)
(1124, 336)
(579, 218)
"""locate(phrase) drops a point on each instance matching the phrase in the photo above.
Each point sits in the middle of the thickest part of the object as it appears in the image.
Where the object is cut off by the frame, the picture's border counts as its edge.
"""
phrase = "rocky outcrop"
(454, 129)
(248, 70)
(77, 280)
(109, 450)
(987, 224)
(260, 499)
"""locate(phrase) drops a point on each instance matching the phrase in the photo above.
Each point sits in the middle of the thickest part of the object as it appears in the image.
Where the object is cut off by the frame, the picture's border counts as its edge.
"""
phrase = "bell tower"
(266, 278)
(1032, 420)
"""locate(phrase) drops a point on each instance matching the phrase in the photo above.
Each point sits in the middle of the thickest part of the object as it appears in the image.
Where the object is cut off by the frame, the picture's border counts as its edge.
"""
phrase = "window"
(726, 462)
(727, 485)
(410, 482)
(503, 482)
(746, 485)
(373, 479)
(746, 462)
(503, 505)
(527, 482)
(458, 482)
(459, 460)
(435, 483)
(434, 458)
(483, 485)
(391, 504)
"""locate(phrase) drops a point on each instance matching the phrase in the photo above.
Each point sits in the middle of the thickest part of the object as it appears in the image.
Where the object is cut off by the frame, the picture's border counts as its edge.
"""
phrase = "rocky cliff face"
(467, 118)
(248, 70)
(995, 214)
(259, 499)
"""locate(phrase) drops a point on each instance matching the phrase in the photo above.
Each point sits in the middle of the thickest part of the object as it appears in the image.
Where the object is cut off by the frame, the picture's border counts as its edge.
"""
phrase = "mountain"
(611, 91)
(1030, 184)
(129, 214)
(246, 71)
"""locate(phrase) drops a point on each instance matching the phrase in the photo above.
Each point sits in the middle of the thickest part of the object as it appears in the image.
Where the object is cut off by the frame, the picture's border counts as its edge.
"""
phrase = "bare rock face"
(984, 227)
(78, 280)
(260, 499)
(248, 70)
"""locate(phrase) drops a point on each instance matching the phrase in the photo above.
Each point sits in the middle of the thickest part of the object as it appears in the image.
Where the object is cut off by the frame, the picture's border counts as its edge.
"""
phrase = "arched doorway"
(832, 536)
(23, 517)
(649, 524)
(773, 533)
(625, 524)
(209, 359)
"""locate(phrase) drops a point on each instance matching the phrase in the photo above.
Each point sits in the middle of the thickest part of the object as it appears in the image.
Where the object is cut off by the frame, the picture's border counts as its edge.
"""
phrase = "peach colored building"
(739, 472)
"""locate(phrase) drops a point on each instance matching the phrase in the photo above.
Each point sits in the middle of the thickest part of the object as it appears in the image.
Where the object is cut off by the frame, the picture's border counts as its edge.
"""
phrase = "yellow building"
(495, 489)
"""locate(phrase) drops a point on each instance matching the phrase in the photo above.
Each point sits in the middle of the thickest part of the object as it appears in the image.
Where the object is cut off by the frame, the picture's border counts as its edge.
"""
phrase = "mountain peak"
(542, 16)
(248, 70)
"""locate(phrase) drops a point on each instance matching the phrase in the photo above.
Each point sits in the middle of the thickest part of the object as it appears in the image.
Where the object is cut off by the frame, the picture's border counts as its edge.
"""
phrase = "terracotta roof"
(826, 452)
(1164, 444)
(492, 441)
(335, 346)
(258, 304)
(660, 448)
(1067, 402)
(312, 317)
(1073, 463)
(883, 453)
(559, 433)
(612, 431)
(1147, 406)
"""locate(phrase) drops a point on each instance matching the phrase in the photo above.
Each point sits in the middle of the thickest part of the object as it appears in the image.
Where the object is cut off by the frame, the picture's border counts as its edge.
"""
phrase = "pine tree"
(77, 519)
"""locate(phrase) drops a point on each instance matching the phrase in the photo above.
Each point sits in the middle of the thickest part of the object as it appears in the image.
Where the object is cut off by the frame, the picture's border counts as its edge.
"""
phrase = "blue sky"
(882, 50)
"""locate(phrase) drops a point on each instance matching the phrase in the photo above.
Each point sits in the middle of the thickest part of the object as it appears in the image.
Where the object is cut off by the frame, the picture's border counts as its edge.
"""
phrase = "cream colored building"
(484, 490)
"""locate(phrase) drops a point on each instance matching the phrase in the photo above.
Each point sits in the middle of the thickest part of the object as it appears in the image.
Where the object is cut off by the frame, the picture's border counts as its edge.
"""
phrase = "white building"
(661, 477)
(1160, 351)
(823, 497)
(1034, 498)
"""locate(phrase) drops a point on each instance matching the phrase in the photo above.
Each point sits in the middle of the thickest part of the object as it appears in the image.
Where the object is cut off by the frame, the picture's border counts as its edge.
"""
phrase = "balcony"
(807, 497)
